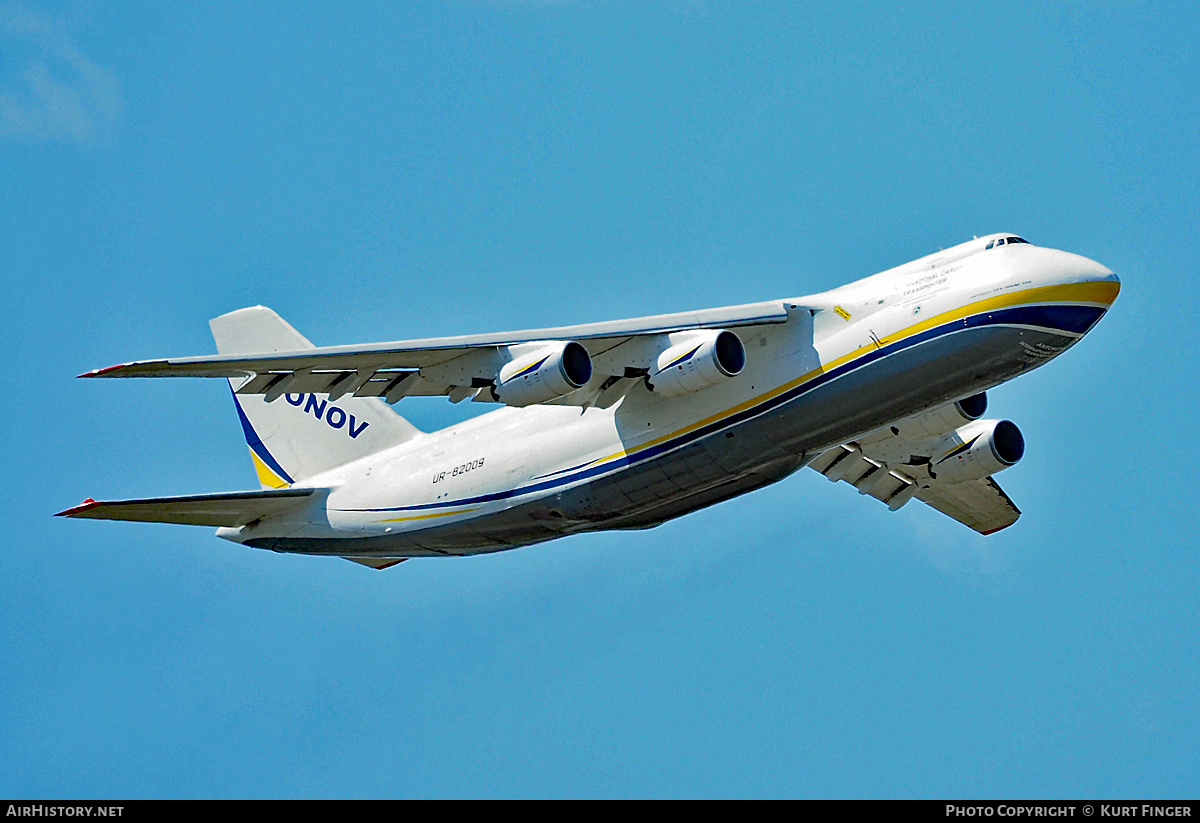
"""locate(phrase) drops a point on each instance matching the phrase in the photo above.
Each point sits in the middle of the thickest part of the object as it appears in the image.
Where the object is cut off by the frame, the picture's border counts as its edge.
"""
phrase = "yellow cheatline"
(267, 476)
(427, 516)
(1102, 292)
(1096, 292)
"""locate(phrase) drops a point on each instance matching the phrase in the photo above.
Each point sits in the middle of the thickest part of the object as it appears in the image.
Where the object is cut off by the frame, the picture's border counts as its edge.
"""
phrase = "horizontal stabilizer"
(225, 509)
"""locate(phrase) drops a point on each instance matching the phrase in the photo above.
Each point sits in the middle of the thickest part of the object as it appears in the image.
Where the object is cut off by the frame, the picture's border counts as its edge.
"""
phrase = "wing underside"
(979, 504)
(458, 367)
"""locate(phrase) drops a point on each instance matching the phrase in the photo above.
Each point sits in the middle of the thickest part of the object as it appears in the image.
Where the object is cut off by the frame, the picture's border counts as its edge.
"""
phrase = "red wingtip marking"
(103, 371)
(389, 565)
(998, 528)
(82, 507)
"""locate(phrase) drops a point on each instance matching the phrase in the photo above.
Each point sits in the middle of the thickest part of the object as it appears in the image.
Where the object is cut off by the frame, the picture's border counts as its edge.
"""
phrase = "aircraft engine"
(700, 361)
(544, 374)
(944, 418)
(977, 450)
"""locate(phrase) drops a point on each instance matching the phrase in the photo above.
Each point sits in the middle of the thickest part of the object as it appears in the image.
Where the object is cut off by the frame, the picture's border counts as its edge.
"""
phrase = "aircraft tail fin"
(299, 435)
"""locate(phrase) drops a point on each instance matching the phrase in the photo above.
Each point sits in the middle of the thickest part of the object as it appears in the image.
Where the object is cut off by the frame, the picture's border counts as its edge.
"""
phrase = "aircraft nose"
(1077, 267)
(1074, 277)
(1089, 270)
(1071, 292)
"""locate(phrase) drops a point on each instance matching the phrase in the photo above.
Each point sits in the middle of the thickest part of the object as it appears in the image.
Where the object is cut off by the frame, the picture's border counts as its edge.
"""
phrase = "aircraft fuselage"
(845, 363)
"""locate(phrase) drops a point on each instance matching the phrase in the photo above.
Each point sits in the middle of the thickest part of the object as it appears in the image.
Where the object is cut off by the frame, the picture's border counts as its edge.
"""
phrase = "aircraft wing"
(979, 503)
(226, 509)
(459, 367)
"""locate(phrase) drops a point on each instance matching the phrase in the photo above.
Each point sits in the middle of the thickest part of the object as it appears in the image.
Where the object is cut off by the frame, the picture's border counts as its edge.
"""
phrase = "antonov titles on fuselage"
(627, 424)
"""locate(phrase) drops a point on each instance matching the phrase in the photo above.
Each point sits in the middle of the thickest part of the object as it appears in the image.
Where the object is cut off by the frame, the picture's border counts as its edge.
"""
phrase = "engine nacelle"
(544, 374)
(702, 360)
(944, 418)
(977, 450)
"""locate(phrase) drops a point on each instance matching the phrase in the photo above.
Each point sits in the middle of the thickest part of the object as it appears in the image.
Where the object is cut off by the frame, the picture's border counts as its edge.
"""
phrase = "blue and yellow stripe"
(270, 474)
(1070, 308)
(529, 369)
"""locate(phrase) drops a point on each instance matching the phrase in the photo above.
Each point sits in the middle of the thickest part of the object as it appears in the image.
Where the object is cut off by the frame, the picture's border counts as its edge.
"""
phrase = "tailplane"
(299, 435)
(229, 509)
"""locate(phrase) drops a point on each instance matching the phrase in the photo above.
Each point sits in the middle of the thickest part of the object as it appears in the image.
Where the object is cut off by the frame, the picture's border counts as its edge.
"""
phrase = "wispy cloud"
(49, 89)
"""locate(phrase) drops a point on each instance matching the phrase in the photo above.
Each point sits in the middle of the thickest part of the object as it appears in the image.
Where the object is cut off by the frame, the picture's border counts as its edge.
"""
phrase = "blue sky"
(388, 171)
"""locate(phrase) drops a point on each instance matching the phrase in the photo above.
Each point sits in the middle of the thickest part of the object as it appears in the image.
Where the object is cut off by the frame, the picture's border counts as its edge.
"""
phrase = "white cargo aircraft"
(627, 424)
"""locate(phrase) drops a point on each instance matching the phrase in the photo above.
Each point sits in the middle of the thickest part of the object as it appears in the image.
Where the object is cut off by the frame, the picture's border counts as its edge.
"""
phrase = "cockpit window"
(1002, 240)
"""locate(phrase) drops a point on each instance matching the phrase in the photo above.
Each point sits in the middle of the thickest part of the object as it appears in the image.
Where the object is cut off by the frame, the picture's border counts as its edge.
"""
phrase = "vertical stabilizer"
(299, 435)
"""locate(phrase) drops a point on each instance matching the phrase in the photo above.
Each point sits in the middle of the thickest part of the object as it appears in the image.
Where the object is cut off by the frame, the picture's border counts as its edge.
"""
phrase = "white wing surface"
(475, 366)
